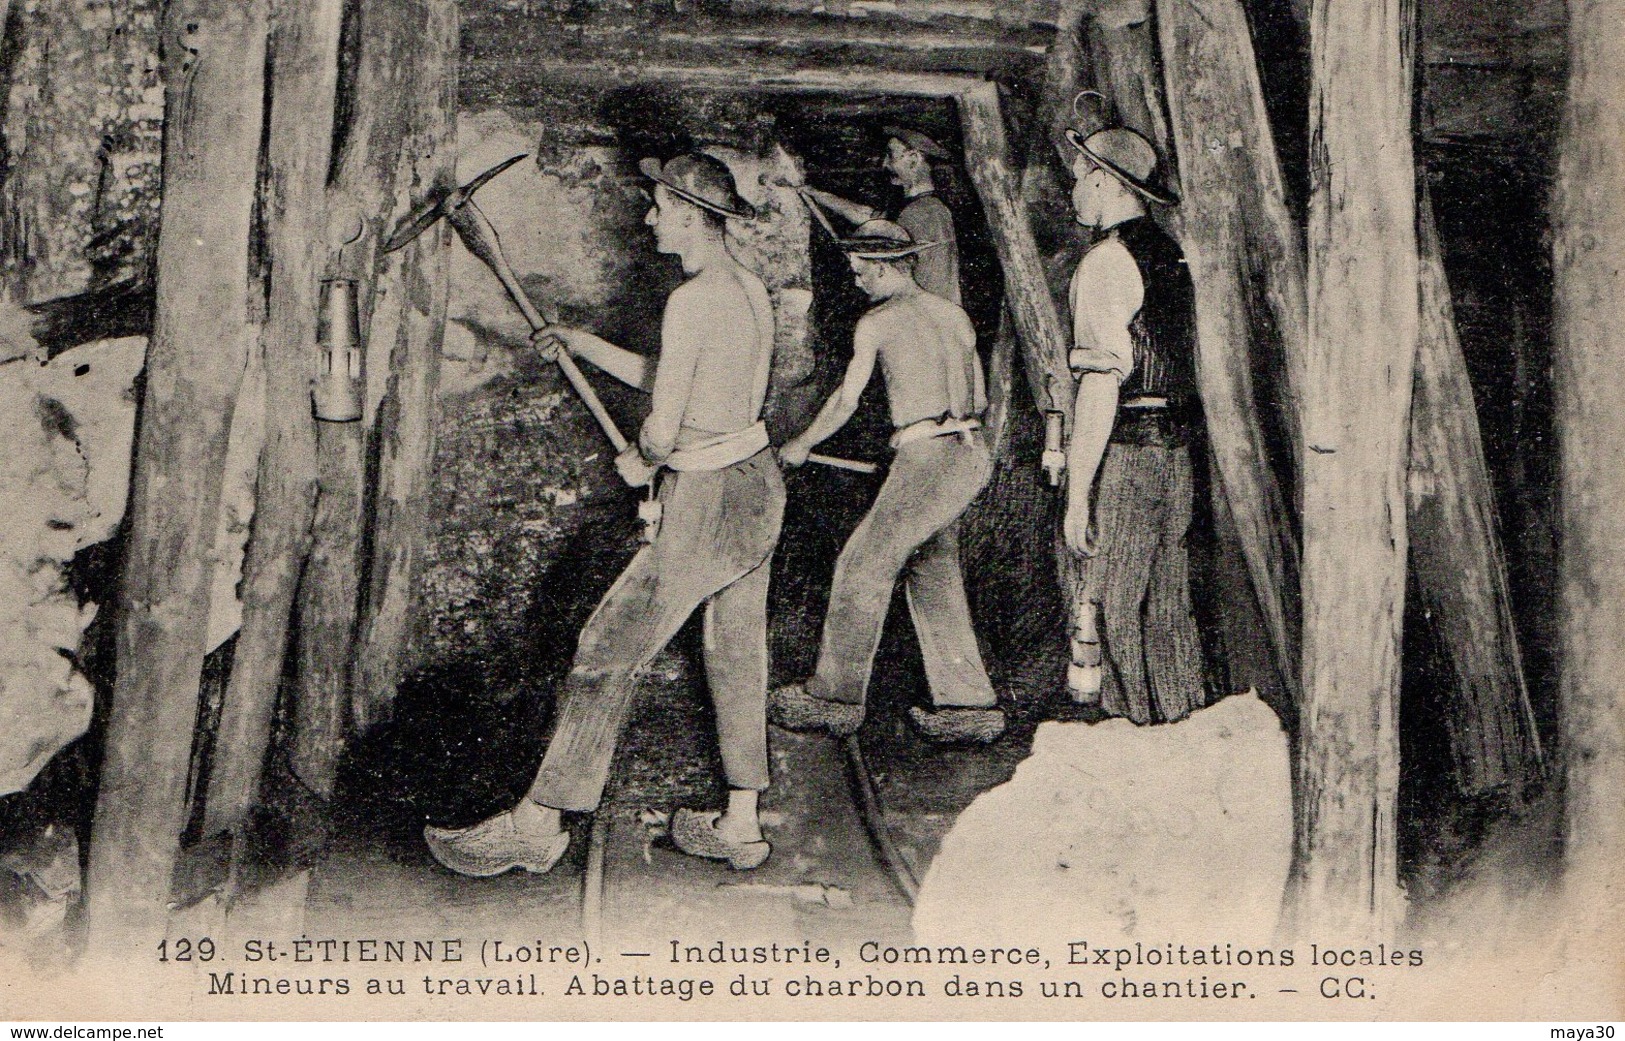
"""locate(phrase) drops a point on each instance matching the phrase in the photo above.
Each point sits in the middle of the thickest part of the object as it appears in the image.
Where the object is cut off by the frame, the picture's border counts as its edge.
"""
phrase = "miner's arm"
(840, 406)
(629, 367)
(1106, 295)
(856, 212)
(682, 338)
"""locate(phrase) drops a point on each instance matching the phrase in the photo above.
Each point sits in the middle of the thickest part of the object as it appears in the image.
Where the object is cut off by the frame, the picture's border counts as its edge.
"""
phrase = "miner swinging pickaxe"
(480, 237)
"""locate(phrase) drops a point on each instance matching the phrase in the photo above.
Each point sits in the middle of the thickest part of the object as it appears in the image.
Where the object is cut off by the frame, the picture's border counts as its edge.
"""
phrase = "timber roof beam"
(508, 53)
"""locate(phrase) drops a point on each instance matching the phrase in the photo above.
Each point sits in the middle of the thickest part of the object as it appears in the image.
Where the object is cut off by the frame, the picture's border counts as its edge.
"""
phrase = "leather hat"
(917, 141)
(702, 180)
(882, 240)
(1127, 156)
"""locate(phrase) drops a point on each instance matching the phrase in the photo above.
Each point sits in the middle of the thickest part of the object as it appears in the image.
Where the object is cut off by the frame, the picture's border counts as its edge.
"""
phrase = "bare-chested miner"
(934, 385)
(722, 502)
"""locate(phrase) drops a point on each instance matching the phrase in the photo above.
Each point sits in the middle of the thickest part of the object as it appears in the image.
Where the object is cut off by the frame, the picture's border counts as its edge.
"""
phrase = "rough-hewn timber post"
(304, 77)
(1356, 395)
(214, 59)
(1589, 257)
(1038, 323)
(1061, 69)
(1063, 74)
(1123, 43)
(1456, 551)
(362, 199)
(1237, 234)
(411, 319)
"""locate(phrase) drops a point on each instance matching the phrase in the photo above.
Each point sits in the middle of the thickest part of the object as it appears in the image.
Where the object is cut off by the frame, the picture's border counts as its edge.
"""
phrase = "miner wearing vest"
(924, 215)
(934, 387)
(722, 497)
(1130, 490)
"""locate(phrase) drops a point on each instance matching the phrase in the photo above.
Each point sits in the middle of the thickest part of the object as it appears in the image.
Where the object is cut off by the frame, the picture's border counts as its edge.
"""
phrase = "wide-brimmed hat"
(882, 240)
(702, 180)
(917, 141)
(1127, 156)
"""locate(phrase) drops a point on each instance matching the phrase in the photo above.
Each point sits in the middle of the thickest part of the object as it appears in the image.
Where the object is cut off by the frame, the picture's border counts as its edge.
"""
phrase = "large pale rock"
(95, 385)
(1113, 831)
(44, 702)
(64, 483)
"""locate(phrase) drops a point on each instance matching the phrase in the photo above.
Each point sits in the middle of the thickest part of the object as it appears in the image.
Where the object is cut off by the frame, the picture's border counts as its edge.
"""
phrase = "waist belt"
(1152, 425)
(720, 451)
(928, 428)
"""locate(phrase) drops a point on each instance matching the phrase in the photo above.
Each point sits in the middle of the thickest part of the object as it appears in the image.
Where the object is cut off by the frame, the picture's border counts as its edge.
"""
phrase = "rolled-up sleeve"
(1107, 292)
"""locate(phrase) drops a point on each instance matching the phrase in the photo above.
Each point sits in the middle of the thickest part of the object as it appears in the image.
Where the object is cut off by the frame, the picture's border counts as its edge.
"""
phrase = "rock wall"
(83, 130)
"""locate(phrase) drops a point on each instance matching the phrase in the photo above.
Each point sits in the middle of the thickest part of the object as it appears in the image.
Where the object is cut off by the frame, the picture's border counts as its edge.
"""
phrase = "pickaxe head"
(424, 217)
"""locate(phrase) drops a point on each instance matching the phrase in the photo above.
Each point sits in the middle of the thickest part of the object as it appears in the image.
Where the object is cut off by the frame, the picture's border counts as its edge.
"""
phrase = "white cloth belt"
(933, 428)
(721, 450)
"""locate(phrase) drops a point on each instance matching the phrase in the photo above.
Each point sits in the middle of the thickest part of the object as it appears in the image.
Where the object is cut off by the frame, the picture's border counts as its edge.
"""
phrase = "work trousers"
(1137, 585)
(912, 530)
(716, 539)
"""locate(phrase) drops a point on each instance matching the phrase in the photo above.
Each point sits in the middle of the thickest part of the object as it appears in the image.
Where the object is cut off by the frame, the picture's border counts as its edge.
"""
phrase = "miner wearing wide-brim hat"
(722, 500)
(926, 349)
(908, 156)
(1130, 490)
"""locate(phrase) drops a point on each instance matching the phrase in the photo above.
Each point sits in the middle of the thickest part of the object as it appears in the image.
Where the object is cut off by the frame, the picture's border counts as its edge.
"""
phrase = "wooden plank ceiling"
(1492, 70)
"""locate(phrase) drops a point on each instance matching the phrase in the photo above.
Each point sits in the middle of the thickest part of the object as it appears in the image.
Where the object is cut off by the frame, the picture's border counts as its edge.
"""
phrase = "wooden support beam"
(1064, 73)
(1456, 551)
(490, 28)
(1363, 318)
(1589, 270)
(411, 319)
(50, 327)
(944, 12)
(1123, 45)
(603, 71)
(1061, 73)
(303, 83)
(360, 207)
(328, 607)
(80, 142)
(1241, 245)
(1032, 308)
(214, 57)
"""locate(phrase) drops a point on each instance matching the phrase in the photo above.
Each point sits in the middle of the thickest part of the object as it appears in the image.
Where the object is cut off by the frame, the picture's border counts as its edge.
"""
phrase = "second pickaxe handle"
(843, 464)
(478, 234)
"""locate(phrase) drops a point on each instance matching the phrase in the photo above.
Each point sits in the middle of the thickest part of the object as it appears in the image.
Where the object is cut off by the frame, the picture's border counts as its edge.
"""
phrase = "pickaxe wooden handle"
(843, 464)
(817, 211)
(478, 234)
